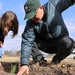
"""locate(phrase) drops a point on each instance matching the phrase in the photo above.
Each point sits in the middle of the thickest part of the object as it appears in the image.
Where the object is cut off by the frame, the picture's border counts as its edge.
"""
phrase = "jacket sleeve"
(26, 45)
(62, 5)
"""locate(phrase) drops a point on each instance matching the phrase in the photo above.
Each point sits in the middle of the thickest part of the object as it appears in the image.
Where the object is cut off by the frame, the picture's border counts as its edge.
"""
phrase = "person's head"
(9, 22)
(34, 10)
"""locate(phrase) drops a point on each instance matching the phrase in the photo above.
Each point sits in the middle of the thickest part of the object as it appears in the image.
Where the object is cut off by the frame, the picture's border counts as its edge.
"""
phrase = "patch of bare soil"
(60, 69)
(7, 68)
(67, 67)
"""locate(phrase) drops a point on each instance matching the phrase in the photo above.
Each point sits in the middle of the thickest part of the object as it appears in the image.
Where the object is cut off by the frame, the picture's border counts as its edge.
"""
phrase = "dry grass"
(17, 59)
(10, 59)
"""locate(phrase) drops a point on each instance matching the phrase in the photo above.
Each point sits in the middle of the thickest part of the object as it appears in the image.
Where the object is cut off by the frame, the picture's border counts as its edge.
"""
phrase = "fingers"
(23, 69)
(20, 72)
(27, 72)
(1, 44)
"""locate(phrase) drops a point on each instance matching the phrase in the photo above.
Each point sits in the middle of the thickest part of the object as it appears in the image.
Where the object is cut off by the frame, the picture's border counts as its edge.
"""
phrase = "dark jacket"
(49, 28)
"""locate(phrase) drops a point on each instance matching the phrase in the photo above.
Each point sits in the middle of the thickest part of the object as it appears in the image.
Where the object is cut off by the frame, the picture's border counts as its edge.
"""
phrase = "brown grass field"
(66, 67)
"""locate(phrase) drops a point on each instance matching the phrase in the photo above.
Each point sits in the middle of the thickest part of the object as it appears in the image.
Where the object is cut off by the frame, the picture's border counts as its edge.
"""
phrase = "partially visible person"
(8, 22)
(46, 28)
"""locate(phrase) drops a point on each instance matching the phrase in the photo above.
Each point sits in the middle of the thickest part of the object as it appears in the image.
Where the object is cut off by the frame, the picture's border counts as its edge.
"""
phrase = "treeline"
(12, 53)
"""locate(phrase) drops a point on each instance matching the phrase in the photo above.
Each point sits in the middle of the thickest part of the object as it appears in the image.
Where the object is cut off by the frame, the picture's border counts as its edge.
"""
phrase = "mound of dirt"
(64, 68)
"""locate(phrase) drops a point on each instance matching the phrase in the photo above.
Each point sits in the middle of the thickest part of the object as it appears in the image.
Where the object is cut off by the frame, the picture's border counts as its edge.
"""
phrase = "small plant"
(13, 68)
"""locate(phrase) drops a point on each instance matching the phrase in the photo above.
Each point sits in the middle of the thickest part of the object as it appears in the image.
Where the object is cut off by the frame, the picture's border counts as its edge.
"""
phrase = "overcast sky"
(17, 7)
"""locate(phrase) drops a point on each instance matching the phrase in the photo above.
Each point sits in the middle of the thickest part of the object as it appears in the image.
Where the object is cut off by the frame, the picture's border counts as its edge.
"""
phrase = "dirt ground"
(66, 67)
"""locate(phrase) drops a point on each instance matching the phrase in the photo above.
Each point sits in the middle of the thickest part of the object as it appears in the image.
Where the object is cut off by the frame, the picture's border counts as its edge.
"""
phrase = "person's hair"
(10, 16)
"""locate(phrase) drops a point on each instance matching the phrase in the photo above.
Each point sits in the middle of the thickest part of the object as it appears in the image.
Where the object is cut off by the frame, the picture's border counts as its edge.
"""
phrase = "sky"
(17, 6)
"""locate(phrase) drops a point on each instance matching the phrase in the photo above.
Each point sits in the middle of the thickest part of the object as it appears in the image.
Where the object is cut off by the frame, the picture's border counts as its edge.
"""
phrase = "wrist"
(25, 64)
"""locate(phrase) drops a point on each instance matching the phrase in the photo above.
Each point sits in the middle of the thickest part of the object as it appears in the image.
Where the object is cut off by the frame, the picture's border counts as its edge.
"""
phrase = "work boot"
(43, 62)
(54, 64)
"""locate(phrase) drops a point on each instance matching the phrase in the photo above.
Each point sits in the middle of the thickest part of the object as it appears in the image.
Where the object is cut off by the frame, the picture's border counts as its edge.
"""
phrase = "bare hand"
(1, 44)
(23, 69)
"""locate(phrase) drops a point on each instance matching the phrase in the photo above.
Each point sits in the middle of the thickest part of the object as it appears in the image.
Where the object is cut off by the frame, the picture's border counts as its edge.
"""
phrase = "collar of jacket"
(45, 15)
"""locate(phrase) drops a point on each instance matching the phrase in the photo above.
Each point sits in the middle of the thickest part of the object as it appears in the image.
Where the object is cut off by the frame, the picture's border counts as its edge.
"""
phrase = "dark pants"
(36, 54)
(61, 47)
